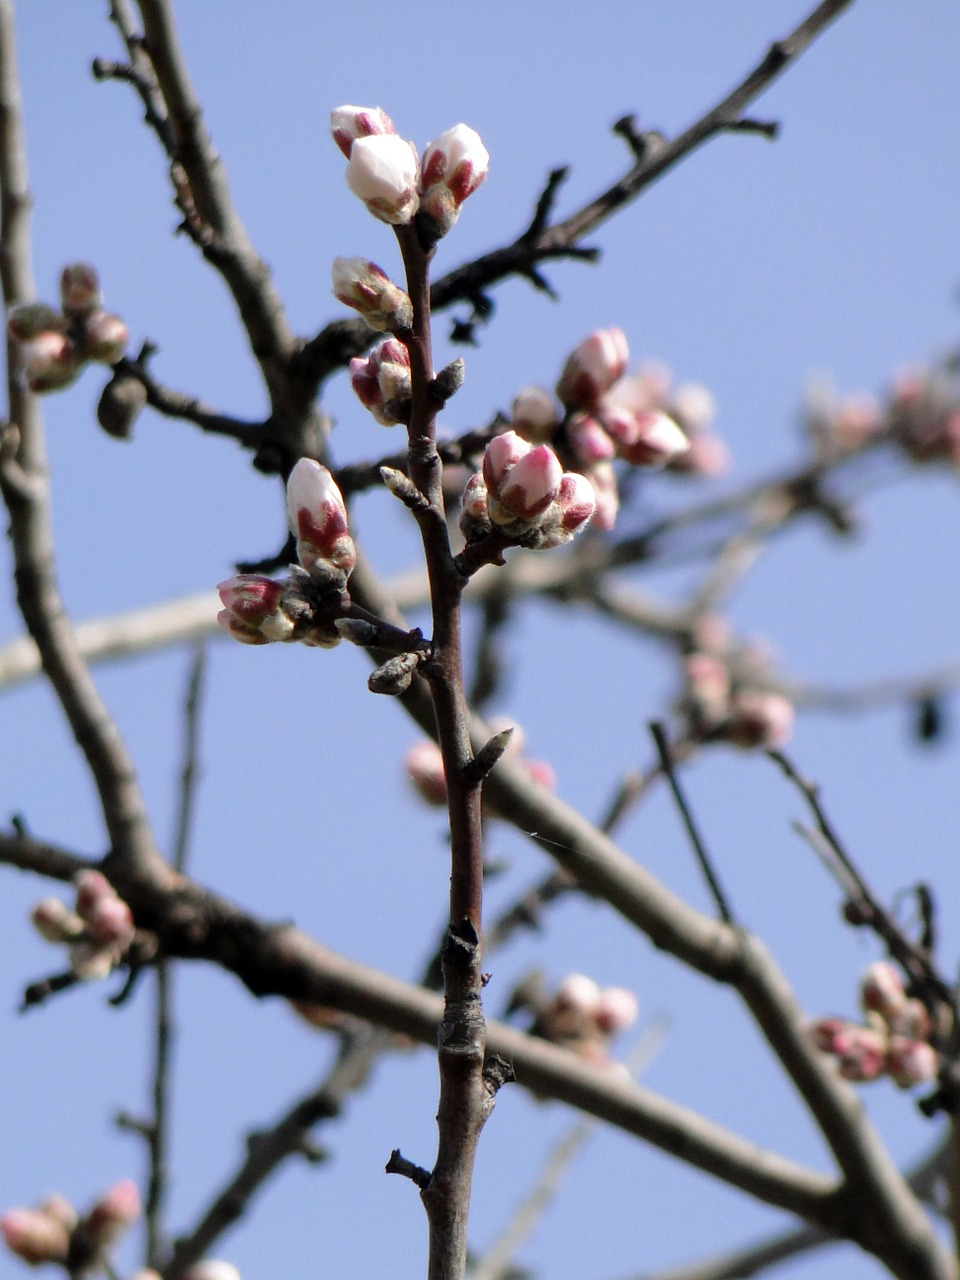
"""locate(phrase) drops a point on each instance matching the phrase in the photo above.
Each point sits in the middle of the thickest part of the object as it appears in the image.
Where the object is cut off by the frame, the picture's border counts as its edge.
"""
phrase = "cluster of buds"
(382, 381)
(606, 414)
(53, 346)
(524, 492)
(260, 610)
(839, 426)
(580, 1015)
(716, 706)
(894, 1039)
(55, 1232)
(424, 763)
(98, 930)
(925, 417)
(386, 173)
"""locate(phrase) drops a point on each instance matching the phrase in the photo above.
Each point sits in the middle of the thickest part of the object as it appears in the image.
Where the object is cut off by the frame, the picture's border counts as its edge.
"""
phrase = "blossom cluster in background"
(893, 1040)
(580, 1015)
(98, 931)
(53, 346)
(718, 703)
(55, 1232)
(424, 763)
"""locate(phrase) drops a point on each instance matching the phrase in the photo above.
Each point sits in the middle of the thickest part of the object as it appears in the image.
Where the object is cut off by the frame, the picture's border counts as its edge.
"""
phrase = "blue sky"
(750, 268)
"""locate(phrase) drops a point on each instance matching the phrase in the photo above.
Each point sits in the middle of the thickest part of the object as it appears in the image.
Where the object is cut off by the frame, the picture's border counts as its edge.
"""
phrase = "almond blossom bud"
(50, 361)
(707, 693)
(534, 414)
(592, 368)
(382, 381)
(453, 167)
(35, 1236)
(881, 990)
(912, 1020)
(212, 1269)
(861, 1053)
(759, 719)
(424, 765)
(588, 440)
(113, 1213)
(111, 921)
(474, 516)
(364, 286)
(706, 456)
(911, 1062)
(318, 518)
(105, 337)
(92, 886)
(646, 439)
(252, 607)
(29, 319)
(384, 173)
(55, 921)
(578, 992)
(80, 289)
(572, 512)
(529, 488)
(826, 1033)
(349, 123)
(540, 771)
(617, 1010)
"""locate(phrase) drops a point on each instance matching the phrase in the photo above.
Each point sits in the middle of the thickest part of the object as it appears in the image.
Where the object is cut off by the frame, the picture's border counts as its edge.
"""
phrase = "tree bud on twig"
(533, 415)
(253, 610)
(318, 518)
(369, 290)
(113, 1213)
(30, 319)
(394, 676)
(120, 404)
(105, 337)
(80, 289)
(448, 381)
(49, 362)
(593, 367)
(55, 922)
(384, 173)
(349, 123)
(382, 381)
(35, 1236)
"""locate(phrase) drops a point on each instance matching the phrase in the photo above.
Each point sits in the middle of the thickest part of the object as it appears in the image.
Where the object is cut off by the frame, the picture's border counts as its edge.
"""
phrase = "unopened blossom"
(474, 516)
(382, 381)
(912, 1019)
(369, 290)
(533, 414)
(80, 289)
(861, 1053)
(55, 922)
(617, 1010)
(911, 1062)
(29, 319)
(707, 455)
(570, 513)
(881, 990)
(115, 1211)
(592, 368)
(49, 362)
(759, 719)
(424, 765)
(583, 1017)
(318, 518)
(212, 1269)
(35, 1236)
(578, 992)
(105, 337)
(453, 166)
(707, 692)
(384, 172)
(253, 609)
(588, 439)
(646, 439)
(348, 123)
(522, 479)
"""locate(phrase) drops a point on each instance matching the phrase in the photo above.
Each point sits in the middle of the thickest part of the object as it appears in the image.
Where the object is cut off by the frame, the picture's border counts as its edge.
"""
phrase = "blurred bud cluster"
(580, 1015)
(303, 607)
(53, 346)
(55, 1232)
(98, 930)
(719, 703)
(894, 1039)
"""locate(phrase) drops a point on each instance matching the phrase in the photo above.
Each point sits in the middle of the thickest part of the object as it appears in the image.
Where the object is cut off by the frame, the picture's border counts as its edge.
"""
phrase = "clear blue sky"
(753, 266)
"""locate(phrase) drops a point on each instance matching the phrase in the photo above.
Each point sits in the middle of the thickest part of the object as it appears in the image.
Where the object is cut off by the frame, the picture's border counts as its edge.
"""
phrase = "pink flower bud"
(60, 1209)
(541, 771)
(592, 368)
(912, 1020)
(474, 515)
(534, 415)
(35, 1236)
(318, 518)
(212, 1269)
(457, 160)
(424, 766)
(911, 1062)
(707, 691)
(647, 439)
(588, 440)
(92, 887)
(113, 1213)
(861, 1053)
(706, 456)
(759, 719)
(30, 319)
(578, 992)
(825, 1033)
(80, 289)
(384, 173)
(253, 606)
(105, 337)
(349, 123)
(55, 921)
(382, 381)
(502, 453)
(111, 922)
(616, 1010)
(50, 361)
(528, 488)
(572, 511)
(881, 990)
(364, 286)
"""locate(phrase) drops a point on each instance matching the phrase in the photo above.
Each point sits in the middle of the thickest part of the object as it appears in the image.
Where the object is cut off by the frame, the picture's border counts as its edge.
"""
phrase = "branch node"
(488, 755)
(395, 676)
(407, 1169)
(402, 487)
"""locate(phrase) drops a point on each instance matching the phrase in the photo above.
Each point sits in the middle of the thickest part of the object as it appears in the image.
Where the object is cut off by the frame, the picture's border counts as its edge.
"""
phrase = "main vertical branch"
(463, 1098)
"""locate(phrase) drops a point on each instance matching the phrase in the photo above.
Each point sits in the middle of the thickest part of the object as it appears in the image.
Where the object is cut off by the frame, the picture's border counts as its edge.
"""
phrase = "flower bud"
(50, 361)
(616, 1010)
(349, 123)
(113, 1213)
(111, 922)
(881, 990)
(382, 381)
(911, 1062)
(457, 160)
(384, 173)
(30, 319)
(369, 290)
(424, 765)
(693, 407)
(60, 1209)
(534, 415)
(707, 693)
(35, 1236)
(55, 921)
(92, 887)
(253, 603)
(105, 338)
(759, 719)
(474, 515)
(529, 488)
(120, 404)
(592, 368)
(861, 1053)
(588, 440)
(572, 511)
(646, 439)
(318, 518)
(912, 1020)
(578, 992)
(80, 289)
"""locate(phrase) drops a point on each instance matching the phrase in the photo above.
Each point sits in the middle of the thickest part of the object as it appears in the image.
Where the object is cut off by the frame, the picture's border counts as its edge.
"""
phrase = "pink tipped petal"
(656, 439)
(532, 483)
(502, 453)
(348, 123)
(577, 501)
(593, 367)
(384, 173)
